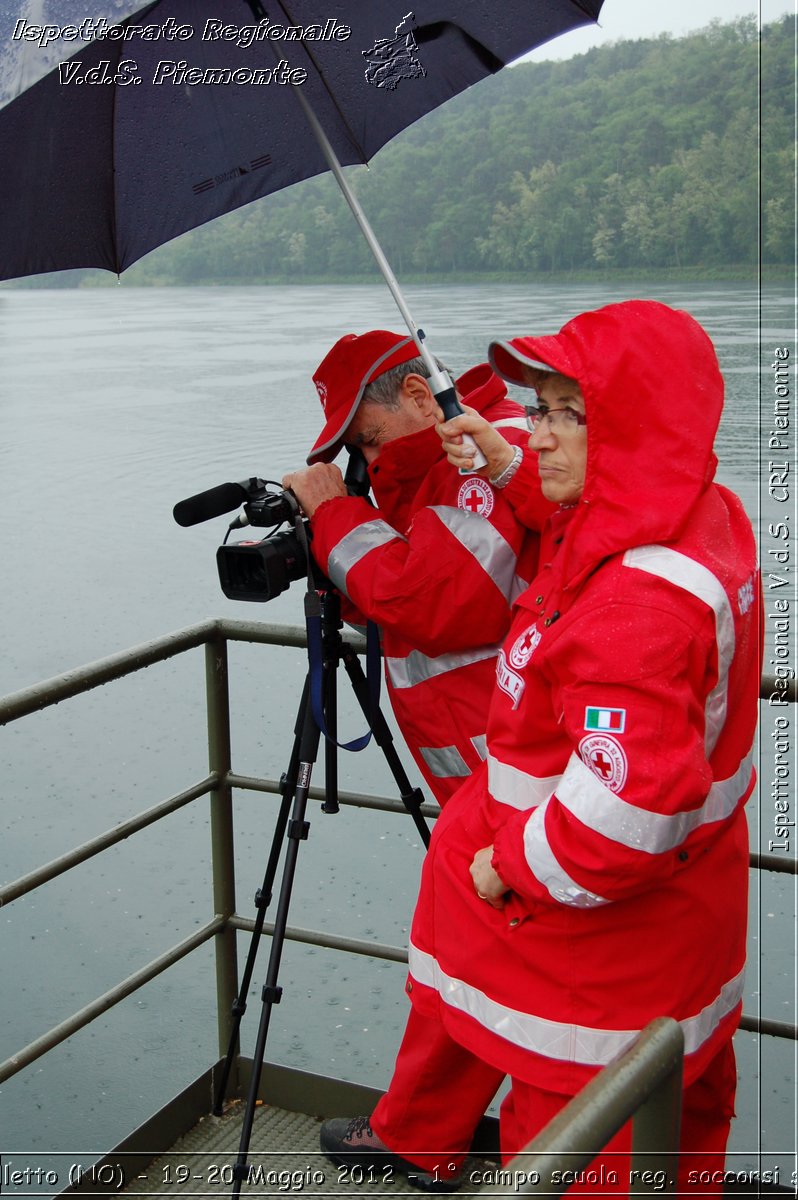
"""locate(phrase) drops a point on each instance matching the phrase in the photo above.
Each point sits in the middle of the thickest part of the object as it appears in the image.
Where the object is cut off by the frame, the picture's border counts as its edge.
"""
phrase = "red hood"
(405, 462)
(653, 398)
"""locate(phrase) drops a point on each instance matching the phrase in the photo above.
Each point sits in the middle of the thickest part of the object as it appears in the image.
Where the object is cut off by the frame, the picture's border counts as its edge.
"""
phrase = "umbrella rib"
(114, 191)
(129, 20)
(587, 8)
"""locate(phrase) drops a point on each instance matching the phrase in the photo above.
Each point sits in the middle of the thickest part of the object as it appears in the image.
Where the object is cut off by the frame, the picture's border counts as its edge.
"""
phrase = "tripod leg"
(298, 829)
(263, 899)
(411, 797)
(330, 804)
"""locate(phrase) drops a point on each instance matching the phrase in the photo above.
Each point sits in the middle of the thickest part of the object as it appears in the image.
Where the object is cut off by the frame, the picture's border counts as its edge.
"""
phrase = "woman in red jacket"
(593, 874)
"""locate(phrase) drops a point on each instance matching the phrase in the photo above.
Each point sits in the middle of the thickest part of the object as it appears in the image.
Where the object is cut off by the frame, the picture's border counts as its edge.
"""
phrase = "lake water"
(114, 404)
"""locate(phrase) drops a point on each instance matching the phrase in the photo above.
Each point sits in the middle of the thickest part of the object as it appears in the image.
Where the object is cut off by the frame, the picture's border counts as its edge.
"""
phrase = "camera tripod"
(319, 692)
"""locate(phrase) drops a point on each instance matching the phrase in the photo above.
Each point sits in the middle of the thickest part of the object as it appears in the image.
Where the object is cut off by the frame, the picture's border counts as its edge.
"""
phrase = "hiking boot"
(351, 1142)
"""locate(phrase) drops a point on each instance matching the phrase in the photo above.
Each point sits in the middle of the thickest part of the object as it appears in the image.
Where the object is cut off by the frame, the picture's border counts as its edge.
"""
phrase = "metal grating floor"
(284, 1160)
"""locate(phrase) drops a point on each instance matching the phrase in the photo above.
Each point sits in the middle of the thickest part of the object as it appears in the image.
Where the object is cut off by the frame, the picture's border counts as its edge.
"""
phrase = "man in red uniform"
(440, 560)
(437, 565)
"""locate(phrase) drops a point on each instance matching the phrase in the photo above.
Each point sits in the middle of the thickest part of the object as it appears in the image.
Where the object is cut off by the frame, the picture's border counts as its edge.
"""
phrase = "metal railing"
(219, 784)
(645, 1083)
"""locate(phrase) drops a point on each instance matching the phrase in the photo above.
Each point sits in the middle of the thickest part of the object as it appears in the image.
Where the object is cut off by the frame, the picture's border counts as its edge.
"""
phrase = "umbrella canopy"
(167, 115)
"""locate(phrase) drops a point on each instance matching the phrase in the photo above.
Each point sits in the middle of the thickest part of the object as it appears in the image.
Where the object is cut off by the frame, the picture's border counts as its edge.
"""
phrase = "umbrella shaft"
(439, 381)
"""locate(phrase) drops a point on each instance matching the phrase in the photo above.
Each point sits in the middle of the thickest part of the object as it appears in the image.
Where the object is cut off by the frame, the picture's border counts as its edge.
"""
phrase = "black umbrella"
(193, 110)
(167, 115)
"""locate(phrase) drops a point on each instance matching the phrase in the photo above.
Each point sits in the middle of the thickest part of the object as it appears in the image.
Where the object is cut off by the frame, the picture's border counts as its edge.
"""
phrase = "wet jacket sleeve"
(638, 797)
(446, 586)
(524, 496)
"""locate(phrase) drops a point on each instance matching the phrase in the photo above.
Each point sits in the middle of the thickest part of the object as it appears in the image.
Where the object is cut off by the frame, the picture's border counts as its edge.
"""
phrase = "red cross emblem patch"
(606, 759)
(524, 647)
(476, 496)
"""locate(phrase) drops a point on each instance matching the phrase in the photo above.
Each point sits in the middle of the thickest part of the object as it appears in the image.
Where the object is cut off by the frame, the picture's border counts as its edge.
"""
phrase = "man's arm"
(445, 586)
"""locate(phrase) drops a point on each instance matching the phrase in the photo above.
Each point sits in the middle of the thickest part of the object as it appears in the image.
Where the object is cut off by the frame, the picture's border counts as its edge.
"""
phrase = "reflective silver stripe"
(480, 744)
(697, 579)
(355, 545)
(418, 668)
(545, 866)
(445, 762)
(699, 1029)
(511, 785)
(584, 795)
(725, 794)
(554, 1039)
(489, 547)
(519, 587)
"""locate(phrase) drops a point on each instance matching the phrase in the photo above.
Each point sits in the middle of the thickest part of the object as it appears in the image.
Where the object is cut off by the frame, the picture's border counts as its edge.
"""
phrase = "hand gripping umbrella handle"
(451, 407)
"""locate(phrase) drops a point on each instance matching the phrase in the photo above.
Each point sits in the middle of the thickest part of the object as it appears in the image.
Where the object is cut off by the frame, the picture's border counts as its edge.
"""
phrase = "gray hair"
(384, 390)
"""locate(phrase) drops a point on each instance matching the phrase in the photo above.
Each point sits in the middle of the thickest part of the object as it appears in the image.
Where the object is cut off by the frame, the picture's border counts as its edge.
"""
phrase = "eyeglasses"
(563, 421)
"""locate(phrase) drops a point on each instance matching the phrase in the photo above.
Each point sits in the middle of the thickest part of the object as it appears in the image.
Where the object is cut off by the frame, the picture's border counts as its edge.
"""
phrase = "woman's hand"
(488, 885)
(497, 451)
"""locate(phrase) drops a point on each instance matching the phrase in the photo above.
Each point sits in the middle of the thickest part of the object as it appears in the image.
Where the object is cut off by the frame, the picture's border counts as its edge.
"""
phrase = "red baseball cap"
(354, 362)
(508, 359)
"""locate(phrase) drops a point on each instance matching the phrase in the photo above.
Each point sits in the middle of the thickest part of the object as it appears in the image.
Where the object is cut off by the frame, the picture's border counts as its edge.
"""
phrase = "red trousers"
(440, 1090)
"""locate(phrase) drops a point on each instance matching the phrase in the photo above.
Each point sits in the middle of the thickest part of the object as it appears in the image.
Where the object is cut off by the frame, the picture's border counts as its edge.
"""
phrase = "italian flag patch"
(605, 720)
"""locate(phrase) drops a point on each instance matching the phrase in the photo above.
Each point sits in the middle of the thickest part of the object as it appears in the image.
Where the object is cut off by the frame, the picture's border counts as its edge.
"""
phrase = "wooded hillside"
(643, 154)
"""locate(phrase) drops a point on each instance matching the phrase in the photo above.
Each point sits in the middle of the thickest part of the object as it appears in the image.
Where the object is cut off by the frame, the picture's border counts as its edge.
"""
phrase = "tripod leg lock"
(262, 899)
(238, 1007)
(413, 800)
(298, 830)
(271, 994)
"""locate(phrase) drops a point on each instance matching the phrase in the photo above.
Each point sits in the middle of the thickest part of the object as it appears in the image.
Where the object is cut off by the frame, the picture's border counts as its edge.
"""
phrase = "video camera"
(261, 570)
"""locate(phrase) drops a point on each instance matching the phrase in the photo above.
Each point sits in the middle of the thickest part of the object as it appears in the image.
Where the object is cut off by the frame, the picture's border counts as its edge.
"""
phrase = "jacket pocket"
(516, 911)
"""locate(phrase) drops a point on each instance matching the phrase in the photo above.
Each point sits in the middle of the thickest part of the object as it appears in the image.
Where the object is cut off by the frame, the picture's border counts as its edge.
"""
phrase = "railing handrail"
(119, 833)
(644, 1084)
(115, 666)
(214, 635)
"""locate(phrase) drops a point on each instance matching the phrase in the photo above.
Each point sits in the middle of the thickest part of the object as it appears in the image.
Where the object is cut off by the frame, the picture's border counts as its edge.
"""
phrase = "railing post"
(656, 1127)
(222, 849)
(649, 1074)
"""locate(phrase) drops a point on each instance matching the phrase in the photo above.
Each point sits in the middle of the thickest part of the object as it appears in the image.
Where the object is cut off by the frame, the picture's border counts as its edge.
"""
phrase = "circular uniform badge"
(605, 758)
(476, 496)
(524, 647)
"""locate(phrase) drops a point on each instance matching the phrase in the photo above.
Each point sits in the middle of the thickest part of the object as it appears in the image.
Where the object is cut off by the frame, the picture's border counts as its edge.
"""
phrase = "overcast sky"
(622, 19)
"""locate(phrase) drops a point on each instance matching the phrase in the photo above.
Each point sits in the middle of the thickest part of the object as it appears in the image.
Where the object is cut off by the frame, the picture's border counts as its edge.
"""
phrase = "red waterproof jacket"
(619, 741)
(437, 565)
